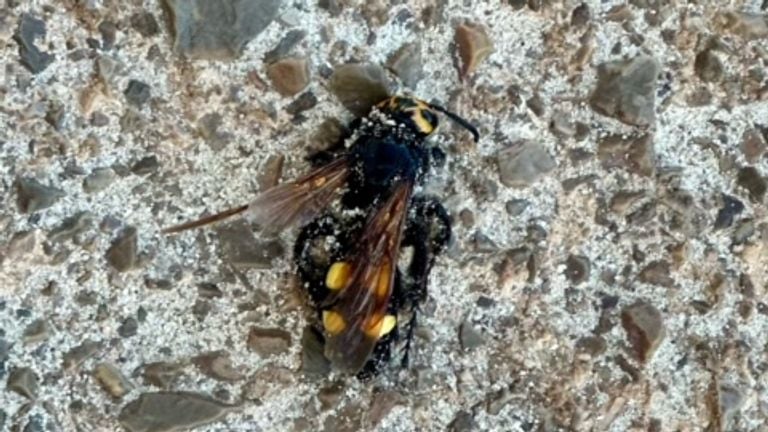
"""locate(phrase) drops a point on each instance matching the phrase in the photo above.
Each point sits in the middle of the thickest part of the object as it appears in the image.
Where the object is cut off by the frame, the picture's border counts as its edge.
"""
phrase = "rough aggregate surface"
(609, 267)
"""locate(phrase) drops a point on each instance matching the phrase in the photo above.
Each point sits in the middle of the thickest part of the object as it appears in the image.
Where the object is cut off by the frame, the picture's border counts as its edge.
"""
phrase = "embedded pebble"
(708, 66)
(98, 180)
(30, 29)
(406, 63)
(732, 207)
(218, 365)
(289, 76)
(145, 23)
(359, 86)
(523, 163)
(268, 341)
(657, 273)
(633, 153)
(37, 331)
(645, 329)
(123, 254)
(474, 46)
(753, 145)
(217, 29)
(24, 381)
(285, 46)
(626, 90)
(137, 93)
(469, 336)
(76, 356)
(241, 249)
(112, 380)
(72, 227)
(382, 404)
(170, 411)
(34, 196)
(128, 328)
(146, 165)
(577, 268)
(750, 179)
(464, 421)
(162, 374)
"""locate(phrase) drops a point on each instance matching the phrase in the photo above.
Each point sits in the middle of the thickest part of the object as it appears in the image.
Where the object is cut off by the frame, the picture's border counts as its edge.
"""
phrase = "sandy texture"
(544, 340)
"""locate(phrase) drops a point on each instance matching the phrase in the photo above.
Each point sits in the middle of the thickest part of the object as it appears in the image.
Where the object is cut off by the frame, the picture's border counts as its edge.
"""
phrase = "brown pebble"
(645, 328)
(269, 341)
(112, 380)
(289, 76)
(474, 46)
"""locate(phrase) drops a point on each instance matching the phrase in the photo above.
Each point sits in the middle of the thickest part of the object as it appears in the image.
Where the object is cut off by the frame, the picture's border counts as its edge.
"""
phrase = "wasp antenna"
(460, 121)
(206, 220)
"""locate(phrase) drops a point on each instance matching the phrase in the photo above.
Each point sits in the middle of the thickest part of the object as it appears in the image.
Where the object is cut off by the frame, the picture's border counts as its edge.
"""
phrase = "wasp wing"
(293, 202)
(363, 302)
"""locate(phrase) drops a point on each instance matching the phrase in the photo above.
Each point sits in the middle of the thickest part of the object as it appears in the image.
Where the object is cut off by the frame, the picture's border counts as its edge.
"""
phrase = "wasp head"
(421, 117)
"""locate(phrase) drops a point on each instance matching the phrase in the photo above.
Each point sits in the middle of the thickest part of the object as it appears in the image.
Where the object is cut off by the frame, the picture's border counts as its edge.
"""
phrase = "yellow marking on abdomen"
(338, 275)
(377, 326)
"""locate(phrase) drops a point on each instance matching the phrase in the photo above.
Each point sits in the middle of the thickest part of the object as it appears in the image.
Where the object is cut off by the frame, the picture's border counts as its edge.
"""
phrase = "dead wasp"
(348, 260)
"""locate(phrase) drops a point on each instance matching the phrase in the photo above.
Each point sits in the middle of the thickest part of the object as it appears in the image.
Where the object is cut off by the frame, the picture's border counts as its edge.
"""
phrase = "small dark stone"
(33, 196)
(313, 360)
(750, 179)
(24, 381)
(146, 165)
(731, 208)
(269, 341)
(217, 29)
(332, 6)
(55, 115)
(161, 374)
(99, 119)
(463, 422)
(382, 404)
(201, 309)
(285, 46)
(645, 328)
(753, 145)
(289, 75)
(37, 331)
(359, 86)
(129, 327)
(708, 66)
(473, 46)
(591, 345)
(31, 28)
(635, 154)
(581, 15)
(626, 90)
(123, 254)
(108, 31)
(137, 93)
(75, 357)
(743, 230)
(657, 273)
(209, 127)
(170, 411)
(306, 101)
(516, 207)
(145, 23)
(209, 290)
(577, 268)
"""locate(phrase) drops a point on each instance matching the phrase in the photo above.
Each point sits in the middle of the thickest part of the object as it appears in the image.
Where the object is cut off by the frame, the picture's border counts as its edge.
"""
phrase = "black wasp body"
(348, 258)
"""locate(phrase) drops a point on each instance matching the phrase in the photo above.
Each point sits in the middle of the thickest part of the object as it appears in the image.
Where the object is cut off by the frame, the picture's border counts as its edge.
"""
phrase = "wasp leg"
(428, 231)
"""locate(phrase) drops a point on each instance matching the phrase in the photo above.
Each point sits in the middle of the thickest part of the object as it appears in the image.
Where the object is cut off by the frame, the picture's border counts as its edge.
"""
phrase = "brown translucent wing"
(294, 202)
(363, 302)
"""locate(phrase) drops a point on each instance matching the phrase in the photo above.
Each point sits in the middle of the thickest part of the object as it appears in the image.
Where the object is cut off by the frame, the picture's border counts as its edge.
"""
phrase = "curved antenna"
(458, 120)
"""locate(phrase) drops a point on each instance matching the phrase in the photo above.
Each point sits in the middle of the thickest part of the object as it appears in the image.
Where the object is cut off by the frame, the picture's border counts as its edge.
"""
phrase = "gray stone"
(406, 63)
(241, 249)
(732, 207)
(626, 90)
(359, 86)
(99, 180)
(123, 254)
(162, 374)
(289, 75)
(128, 328)
(31, 28)
(24, 381)
(645, 329)
(577, 268)
(112, 380)
(71, 227)
(729, 400)
(516, 207)
(146, 165)
(382, 404)
(34, 196)
(313, 360)
(218, 29)
(208, 126)
(464, 421)
(302, 103)
(269, 341)
(522, 163)
(170, 411)
(75, 357)
(657, 273)
(708, 66)
(37, 331)
(137, 93)
(469, 336)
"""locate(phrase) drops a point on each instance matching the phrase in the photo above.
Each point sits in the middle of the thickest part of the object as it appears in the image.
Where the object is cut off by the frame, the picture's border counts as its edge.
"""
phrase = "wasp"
(349, 259)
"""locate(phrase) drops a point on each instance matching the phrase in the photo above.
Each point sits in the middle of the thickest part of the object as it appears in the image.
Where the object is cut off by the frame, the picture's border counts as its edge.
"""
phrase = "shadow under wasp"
(349, 260)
